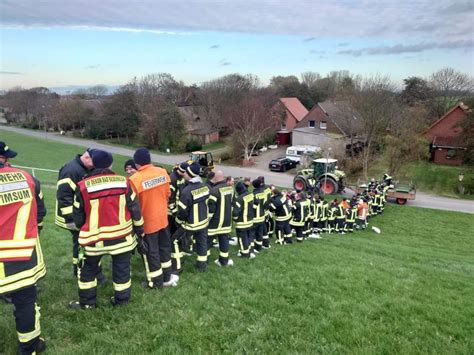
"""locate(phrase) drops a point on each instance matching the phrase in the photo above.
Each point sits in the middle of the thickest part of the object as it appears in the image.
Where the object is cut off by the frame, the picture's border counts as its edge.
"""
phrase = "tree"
(154, 134)
(416, 90)
(375, 102)
(252, 119)
(70, 115)
(449, 86)
(98, 90)
(121, 114)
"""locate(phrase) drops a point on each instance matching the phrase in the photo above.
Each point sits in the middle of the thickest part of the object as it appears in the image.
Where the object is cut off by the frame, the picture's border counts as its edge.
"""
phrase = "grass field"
(407, 290)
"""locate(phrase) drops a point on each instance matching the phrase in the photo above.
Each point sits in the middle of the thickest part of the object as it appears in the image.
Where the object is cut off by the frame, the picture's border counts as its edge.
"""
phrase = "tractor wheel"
(299, 183)
(328, 186)
(401, 201)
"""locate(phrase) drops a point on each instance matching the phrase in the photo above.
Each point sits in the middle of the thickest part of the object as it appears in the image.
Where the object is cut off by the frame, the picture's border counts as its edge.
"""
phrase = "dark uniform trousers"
(176, 250)
(269, 229)
(308, 228)
(283, 232)
(244, 237)
(340, 221)
(158, 259)
(223, 240)
(120, 276)
(300, 232)
(75, 249)
(259, 231)
(200, 241)
(27, 318)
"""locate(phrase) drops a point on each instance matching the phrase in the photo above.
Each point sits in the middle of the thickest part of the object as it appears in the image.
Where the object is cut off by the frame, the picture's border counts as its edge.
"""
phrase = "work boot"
(76, 305)
(39, 348)
(114, 302)
(173, 281)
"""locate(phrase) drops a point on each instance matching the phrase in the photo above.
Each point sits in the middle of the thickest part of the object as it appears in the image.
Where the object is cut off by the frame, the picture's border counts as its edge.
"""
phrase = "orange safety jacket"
(18, 215)
(103, 200)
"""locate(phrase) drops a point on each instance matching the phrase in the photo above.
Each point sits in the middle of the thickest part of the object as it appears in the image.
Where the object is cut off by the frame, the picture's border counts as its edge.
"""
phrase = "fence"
(45, 176)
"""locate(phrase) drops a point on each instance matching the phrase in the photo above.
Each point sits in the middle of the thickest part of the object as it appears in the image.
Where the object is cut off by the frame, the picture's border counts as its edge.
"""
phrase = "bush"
(193, 145)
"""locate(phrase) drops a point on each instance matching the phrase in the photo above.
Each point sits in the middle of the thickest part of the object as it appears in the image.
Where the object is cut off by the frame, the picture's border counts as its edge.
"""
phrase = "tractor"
(323, 176)
(205, 161)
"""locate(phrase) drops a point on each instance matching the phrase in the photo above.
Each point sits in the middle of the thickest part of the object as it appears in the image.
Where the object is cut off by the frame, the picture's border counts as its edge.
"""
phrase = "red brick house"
(443, 135)
(288, 111)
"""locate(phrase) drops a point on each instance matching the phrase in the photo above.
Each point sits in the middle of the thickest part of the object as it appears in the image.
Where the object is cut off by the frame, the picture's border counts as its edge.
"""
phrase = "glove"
(71, 226)
(142, 246)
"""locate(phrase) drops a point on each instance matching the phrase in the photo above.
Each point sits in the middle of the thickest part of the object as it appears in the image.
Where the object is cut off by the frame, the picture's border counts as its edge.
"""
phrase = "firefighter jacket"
(352, 213)
(106, 212)
(69, 175)
(281, 207)
(340, 211)
(193, 212)
(262, 203)
(244, 210)
(176, 186)
(300, 213)
(21, 216)
(268, 196)
(318, 210)
(220, 208)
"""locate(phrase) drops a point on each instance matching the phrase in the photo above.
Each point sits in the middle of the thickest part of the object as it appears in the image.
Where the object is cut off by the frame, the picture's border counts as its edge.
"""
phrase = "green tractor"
(323, 177)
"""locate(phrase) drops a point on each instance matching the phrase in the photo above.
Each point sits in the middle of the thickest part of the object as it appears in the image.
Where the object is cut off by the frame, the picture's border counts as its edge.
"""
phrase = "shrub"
(193, 145)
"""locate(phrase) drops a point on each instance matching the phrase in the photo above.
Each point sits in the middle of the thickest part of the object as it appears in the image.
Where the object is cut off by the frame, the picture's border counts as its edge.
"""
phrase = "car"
(281, 164)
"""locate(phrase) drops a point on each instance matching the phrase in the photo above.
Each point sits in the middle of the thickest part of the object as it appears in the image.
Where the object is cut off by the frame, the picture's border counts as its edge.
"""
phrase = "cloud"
(10, 73)
(412, 48)
(214, 46)
(224, 62)
(92, 66)
(343, 44)
(315, 51)
(387, 19)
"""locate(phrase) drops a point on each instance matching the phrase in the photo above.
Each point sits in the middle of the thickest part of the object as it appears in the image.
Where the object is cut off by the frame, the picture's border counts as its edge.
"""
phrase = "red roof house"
(445, 145)
(289, 111)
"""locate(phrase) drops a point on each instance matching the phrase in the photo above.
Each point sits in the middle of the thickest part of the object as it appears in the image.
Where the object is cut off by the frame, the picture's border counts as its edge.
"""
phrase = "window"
(323, 125)
(312, 124)
(283, 125)
(451, 153)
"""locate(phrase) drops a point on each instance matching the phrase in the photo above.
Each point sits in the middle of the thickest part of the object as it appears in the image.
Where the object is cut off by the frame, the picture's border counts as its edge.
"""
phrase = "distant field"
(407, 290)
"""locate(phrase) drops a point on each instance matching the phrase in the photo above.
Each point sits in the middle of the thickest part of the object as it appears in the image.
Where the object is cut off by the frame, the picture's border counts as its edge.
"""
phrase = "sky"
(57, 43)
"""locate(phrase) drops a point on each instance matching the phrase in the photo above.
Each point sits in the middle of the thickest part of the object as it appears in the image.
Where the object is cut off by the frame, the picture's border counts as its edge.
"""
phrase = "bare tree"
(310, 78)
(449, 86)
(252, 119)
(69, 115)
(98, 90)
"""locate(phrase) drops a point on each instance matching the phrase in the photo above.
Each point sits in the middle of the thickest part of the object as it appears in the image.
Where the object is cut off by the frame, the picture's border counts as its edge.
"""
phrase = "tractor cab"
(204, 159)
(323, 177)
(322, 166)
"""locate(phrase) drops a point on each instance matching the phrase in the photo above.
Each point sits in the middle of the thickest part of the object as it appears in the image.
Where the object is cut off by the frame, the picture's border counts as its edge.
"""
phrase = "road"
(422, 199)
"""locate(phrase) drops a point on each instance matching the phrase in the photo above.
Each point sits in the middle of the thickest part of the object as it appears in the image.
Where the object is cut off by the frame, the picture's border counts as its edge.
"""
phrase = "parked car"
(281, 164)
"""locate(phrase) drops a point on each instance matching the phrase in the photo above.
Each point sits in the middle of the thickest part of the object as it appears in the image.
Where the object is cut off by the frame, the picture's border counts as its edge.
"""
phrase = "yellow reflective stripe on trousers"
(223, 255)
(202, 257)
(166, 264)
(87, 285)
(122, 287)
(26, 337)
(22, 221)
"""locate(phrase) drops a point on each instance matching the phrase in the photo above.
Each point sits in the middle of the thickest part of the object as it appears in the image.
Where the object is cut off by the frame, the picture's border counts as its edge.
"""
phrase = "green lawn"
(407, 290)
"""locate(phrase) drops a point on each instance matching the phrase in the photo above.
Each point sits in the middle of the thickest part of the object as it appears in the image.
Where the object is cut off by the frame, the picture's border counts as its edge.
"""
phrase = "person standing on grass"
(299, 215)
(193, 213)
(362, 212)
(69, 176)
(220, 213)
(178, 243)
(107, 214)
(262, 203)
(269, 222)
(152, 185)
(129, 167)
(21, 261)
(281, 209)
(243, 215)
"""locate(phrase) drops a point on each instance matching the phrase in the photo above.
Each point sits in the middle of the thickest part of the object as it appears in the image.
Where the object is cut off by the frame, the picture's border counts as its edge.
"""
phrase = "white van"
(295, 152)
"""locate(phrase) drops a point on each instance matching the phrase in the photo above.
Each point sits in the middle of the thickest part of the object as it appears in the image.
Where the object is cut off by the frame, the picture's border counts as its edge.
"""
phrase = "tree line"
(145, 110)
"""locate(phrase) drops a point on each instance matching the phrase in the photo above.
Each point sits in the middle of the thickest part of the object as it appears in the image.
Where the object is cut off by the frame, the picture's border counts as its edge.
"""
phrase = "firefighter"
(332, 212)
(362, 212)
(178, 242)
(69, 175)
(193, 213)
(341, 216)
(324, 215)
(107, 213)
(261, 206)
(351, 215)
(300, 214)
(308, 225)
(21, 261)
(152, 185)
(129, 167)
(317, 215)
(281, 208)
(269, 223)
(243, 214)
(220, 214)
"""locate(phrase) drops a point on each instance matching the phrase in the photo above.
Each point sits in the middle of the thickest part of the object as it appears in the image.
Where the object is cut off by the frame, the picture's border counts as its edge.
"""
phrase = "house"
(197, 124)
(444, 137)
(288, 111)
(328, 123)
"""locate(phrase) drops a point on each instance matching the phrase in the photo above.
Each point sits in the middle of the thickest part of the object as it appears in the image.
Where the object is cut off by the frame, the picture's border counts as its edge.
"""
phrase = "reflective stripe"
(22, 279)
(129, 244)
(202, 257)
(22, 221)
(122, 205)
(2, 270)
(68, 210)
(133, 195)
(105, 229)
(75, 204)
(26, 337)
(104, 235)
(166, 264)
(138, 223)
(94, 216)
(182, 205)
(223, 255)
(13, 244)
(123, 287)
(87, 285)
(13, 254)
(67, 181)
(153, 274)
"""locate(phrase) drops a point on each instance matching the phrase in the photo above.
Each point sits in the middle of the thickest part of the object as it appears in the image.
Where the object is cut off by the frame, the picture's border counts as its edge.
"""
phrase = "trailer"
(400, 192)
